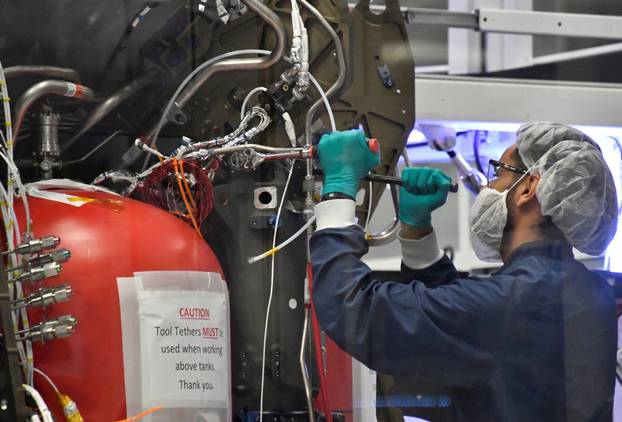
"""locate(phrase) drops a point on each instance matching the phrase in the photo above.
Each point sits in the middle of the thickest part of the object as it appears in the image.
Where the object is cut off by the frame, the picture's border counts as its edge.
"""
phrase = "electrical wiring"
(284, 244)
(248, 97)
(178, 177)
(271, 293)
(11, 225)
(41, 406)
(142, 414)
(167, 188)
(47, 378)
(22, 191)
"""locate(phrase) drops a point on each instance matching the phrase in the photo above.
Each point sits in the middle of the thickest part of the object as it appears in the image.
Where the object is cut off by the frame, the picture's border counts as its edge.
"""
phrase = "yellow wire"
(143, 414)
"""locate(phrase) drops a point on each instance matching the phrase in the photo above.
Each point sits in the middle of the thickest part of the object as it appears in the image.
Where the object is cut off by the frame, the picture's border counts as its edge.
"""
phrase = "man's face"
(505, 177)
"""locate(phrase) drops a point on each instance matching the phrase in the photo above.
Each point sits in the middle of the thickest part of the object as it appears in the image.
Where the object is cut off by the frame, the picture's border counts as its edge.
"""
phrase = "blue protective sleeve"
(453, 332)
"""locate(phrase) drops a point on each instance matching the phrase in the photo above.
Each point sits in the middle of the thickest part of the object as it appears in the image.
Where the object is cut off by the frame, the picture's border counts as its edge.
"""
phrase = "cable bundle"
(183, 188)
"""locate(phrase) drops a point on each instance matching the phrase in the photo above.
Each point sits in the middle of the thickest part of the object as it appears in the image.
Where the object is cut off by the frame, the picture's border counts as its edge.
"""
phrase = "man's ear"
(526, 191)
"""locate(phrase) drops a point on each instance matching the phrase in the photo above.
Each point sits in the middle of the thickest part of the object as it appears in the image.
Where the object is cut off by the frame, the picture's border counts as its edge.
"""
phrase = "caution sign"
(184, 340)
(176, 345)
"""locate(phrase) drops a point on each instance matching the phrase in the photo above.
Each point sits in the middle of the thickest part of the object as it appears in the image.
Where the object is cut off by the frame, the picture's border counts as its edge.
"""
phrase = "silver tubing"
(259, 63)
(107, 106)
(41, 89)
(303, 366)
(44, 71)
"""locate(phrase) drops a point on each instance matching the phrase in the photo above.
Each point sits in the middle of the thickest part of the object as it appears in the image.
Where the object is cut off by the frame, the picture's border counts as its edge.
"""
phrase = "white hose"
(265, 331)
(248, 97)
(275, 249)
(41, 406)
(329, 109)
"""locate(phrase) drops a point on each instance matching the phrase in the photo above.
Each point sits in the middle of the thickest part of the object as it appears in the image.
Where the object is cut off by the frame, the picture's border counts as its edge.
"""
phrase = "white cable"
(326, 102)
(12, 231)
(290, 129)
(11, 227)
(284, 244)
(312, 219)
(43, 408)
(48, 379)
(248, 97)
(22, 191)
(265, 330)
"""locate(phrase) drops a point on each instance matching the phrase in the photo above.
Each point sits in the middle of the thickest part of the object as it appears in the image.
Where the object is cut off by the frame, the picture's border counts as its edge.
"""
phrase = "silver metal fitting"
(58, 255)
(46, 331)
(36, 245)
(46, 297)
(51, 269)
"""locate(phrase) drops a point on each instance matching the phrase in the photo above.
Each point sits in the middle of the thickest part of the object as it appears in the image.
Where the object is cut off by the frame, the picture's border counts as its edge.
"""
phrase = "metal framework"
(506, 21)
(467, 100)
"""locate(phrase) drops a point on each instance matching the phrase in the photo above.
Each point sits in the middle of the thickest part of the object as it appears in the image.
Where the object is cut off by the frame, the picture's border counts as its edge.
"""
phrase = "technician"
(536, 341)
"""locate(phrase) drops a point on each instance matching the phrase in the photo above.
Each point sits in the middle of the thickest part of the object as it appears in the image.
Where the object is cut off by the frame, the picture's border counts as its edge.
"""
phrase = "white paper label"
(184, 348)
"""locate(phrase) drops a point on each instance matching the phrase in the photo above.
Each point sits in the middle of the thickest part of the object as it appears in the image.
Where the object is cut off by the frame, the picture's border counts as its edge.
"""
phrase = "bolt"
(4, 405)
(398, 91)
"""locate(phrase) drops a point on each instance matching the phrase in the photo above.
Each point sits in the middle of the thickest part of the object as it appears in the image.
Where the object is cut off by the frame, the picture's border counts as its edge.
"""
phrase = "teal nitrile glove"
(423, 190)
(345, 159)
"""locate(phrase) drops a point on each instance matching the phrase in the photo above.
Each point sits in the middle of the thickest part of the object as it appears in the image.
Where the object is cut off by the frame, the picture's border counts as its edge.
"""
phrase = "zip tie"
(7, 124)
(6, 99)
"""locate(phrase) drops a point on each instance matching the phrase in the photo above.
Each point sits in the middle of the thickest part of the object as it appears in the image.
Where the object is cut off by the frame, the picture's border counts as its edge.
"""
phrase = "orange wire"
(188, 191)
(143, 414)
(183, 196)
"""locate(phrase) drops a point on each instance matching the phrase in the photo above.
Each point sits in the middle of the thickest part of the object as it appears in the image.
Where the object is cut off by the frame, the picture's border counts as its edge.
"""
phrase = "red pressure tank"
(109, 237)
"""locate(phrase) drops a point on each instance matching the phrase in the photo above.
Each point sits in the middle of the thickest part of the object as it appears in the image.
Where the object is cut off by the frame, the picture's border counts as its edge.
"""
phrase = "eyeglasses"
(494, 166)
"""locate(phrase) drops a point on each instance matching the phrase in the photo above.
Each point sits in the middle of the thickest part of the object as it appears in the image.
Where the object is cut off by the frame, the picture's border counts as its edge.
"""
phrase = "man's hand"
(423, 190)
(345, 159)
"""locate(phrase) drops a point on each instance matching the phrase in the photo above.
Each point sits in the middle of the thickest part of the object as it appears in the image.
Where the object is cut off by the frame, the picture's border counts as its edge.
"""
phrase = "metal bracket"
(550, 23)
(520, 22)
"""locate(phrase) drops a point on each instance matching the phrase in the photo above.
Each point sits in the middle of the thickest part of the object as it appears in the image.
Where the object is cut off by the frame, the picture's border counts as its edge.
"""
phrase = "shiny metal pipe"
(259, 63)
(389, 233)
(54, 72)
(43, 88)
(109, 105)
(257, 147)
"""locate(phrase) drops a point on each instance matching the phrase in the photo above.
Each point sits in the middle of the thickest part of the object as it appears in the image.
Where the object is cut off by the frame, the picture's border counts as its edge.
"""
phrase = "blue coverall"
(536, 341)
